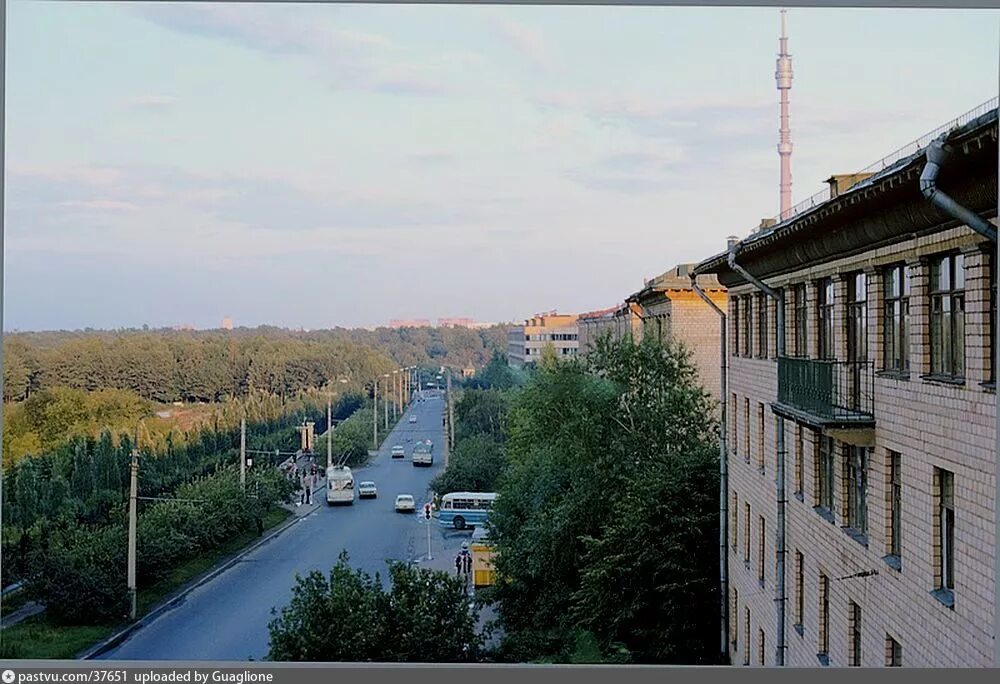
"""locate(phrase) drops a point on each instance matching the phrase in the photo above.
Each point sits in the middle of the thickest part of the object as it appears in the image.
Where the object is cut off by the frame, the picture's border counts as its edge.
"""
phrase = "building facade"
(526, 342)
(881, 412)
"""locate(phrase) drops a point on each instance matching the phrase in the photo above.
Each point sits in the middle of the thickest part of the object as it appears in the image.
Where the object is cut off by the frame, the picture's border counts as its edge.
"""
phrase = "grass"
(39, 638)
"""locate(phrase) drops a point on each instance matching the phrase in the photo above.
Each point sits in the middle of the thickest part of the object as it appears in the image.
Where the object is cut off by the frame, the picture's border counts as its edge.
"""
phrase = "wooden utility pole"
(451, 413)
(132, 513)
(375, 416)
(385, 403)
(243, 453)
(329, 434)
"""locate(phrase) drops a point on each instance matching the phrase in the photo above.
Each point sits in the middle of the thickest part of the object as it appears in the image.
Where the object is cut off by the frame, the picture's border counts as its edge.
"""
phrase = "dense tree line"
(425, 616)
(606, 523)
(170, 365)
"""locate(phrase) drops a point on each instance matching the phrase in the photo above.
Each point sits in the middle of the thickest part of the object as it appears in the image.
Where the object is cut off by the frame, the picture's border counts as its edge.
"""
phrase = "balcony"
(828, 395)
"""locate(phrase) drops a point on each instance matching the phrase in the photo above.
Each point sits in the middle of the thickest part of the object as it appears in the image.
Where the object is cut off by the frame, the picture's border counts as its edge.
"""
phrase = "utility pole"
(132, 504)
(375, 416)
(243, 453)
(395, 395)
(385, 404)
(329, 434)
(451, 413)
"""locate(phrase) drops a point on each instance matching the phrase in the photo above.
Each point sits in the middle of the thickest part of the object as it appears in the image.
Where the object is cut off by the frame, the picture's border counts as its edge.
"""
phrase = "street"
(226, 618)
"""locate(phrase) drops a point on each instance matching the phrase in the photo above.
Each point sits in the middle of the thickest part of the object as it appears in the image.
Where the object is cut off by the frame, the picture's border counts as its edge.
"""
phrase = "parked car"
(398, 451)
(405, 504)
(367, 490)
(413, 419)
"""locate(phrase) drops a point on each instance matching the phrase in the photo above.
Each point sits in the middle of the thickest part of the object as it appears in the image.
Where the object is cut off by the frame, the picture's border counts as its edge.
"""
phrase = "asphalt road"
(226, 618)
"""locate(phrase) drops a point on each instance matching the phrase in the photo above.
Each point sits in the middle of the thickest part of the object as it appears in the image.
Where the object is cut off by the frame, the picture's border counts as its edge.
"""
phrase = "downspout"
(937, 154)
(780, 598)
(723, 477)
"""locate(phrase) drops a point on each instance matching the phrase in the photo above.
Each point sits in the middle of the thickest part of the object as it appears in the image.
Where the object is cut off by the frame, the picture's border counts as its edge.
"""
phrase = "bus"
(465, 509)
(339, 485)
(423, 453)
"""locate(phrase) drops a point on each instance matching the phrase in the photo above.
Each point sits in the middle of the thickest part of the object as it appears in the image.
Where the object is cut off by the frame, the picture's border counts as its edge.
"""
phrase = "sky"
(342, 165)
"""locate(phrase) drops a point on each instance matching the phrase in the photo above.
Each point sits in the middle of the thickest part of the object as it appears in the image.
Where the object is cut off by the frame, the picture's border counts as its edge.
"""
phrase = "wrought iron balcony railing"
(828, 390)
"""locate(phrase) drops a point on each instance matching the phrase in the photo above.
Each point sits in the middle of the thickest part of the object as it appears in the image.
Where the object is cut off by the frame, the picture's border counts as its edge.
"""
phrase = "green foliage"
(482, 412)
(475, 466)
(348, 616)
(496, 375)
(607, 521)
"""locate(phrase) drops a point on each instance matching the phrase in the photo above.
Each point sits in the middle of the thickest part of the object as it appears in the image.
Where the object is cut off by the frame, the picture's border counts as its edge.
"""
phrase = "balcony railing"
(827, 390)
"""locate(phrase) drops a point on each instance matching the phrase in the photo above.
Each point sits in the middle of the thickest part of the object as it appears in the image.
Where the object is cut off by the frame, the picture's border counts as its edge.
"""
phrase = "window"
(856, 481)
(746, 634)
(799, 590)
(748, 326)
(760, 647)
(761, 552)
(944, 543)
(894, 505)
(893, 652)
(896, 319)
(854, 635)
(762, 330)
(801, 315)
(824, 618)
(760, 437)
(857, 317)
(824, 306)
(737, 322)
(798, 462)
(746, 534)
(824, 470)
(733, 420)
(746, 423)
(947, 312)
(736, 519)
(734, 628)
(991, 376)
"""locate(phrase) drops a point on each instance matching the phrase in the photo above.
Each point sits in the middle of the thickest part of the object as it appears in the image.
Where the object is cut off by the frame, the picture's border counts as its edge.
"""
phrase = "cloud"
(99, 205)
(345, 59)
(151, 102)
(527, 41)
(432, 158)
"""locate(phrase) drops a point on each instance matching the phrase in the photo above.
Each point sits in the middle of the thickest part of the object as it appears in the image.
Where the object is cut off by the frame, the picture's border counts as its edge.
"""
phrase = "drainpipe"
(779, 598)
(937, 154)
(723, 478)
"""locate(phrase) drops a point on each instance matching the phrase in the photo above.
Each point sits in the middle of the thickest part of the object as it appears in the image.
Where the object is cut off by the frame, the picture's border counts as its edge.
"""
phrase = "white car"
(413, 419)
(405, 504)
(398, 451)
(367, 490)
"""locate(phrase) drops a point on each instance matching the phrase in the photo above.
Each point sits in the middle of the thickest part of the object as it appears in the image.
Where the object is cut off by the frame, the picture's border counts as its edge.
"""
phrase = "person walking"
(458, 565)
(468, 566)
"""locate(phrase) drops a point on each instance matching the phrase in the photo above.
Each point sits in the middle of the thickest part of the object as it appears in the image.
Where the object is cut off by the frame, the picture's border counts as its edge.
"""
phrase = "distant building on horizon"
(525, 342)
(410, 323)
(184, 326)
(227, 323)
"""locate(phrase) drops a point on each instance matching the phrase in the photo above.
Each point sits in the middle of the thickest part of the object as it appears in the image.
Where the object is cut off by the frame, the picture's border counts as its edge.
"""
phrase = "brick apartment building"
(885, 396)
(526, 342)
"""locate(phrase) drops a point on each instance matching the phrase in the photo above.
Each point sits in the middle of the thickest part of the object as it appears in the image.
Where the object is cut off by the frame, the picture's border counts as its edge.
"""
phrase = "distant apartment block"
(667, 307)
(456, 323)
(227, 323)
(410, 323)
(882, 409)
(526, 342)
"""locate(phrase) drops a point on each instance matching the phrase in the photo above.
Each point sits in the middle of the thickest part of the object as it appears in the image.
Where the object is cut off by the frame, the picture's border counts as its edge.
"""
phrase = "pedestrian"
(468, 565)
(458, 565)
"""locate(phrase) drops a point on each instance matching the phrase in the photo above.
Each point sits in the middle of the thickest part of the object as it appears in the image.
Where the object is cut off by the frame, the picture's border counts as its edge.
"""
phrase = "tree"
(475, 466)
(348, 616)
(612, 483)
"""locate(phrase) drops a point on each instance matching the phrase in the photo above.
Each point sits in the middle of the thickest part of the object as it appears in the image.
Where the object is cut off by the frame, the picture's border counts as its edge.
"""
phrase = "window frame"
(856, 464)
(946, 317)
(800, 329)
(825, 301)
(896, 291)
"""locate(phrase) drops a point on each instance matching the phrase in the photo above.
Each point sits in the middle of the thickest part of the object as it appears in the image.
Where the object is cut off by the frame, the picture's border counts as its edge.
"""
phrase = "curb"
(169, 602)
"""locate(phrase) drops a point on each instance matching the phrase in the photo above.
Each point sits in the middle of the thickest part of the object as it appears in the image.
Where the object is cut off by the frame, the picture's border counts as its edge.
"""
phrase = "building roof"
(677, 279)
(883, 208)
(600, 313)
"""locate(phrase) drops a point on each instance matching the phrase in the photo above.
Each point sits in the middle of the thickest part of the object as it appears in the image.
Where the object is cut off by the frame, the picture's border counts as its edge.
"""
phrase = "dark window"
(746, 534)
(991, 363)
(893, 652)
(762, 330)
(737, 322)
(733, 624)
(895, 494)
(857, 487)
(746, 424)
(800, 330)
(799, 588)
(746, 633)
(824, 615)
(736, 519)
(760, 647)
(947, 309)
(748, 326)
(857, 317)
(824, 307)
(896, 318)
(945, 532)
(825, 472)
(760, 436)
(798, 460)
(733, 420)
(761, 552)
(855, 635)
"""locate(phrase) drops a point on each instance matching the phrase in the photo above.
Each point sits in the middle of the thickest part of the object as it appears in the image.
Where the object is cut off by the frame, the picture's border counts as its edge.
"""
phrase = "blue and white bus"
(465, 509)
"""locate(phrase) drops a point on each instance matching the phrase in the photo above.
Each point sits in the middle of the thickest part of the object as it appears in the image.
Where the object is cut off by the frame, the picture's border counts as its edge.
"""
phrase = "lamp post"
(385, 403)
(395, 394)
(375, 416)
